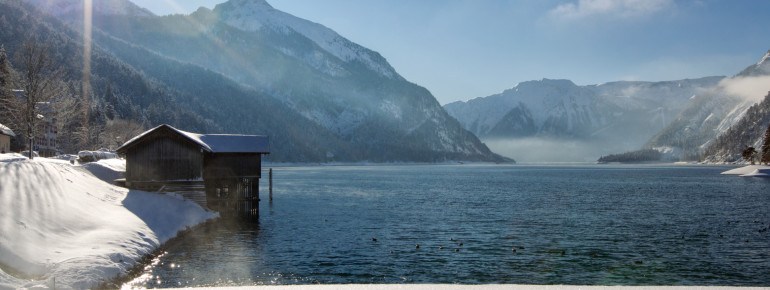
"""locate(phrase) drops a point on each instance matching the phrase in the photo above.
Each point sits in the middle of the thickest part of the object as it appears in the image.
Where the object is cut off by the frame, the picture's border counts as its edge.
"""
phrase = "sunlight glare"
(87, 25)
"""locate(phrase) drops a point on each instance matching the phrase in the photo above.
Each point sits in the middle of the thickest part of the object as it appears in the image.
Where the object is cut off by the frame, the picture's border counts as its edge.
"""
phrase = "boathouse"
(5, 138)
(227, 166)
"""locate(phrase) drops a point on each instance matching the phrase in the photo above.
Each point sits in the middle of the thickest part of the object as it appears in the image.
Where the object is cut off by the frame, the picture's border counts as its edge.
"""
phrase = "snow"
(62, 224)
(750, 171)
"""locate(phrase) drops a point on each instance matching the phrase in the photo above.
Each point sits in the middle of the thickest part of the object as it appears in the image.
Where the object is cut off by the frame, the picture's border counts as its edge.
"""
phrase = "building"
(228, 166)
(5, 138)
(45, 141)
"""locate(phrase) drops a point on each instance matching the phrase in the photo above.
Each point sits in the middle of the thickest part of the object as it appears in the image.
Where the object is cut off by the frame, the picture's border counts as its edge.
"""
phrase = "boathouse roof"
(212, 143)
(6, 131)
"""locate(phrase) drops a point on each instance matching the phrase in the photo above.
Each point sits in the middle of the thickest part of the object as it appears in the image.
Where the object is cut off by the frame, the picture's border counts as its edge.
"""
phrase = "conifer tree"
(5, 84)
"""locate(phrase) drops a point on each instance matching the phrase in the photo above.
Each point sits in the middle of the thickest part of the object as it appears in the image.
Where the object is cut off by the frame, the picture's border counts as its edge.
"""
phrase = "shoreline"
(137, 270)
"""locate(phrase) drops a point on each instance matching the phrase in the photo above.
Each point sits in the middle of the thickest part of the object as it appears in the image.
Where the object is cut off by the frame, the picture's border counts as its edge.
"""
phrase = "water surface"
(587, 225)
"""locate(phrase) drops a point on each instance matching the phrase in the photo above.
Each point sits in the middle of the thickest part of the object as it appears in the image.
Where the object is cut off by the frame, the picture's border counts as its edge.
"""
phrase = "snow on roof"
(217, 143)
(6, 131)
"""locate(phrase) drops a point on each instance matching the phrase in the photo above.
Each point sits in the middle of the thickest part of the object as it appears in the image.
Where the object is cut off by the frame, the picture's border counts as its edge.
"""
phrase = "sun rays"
(87, 30)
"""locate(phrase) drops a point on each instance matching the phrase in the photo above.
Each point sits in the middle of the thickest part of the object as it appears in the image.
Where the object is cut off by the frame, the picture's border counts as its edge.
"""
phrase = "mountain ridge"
(371, 116)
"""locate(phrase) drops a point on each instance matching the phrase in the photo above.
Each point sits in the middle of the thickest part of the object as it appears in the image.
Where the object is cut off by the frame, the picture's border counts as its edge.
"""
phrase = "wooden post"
(271, 184)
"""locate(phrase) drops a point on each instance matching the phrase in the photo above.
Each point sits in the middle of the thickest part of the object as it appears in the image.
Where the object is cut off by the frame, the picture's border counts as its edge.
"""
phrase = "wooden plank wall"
(229, 165)
(164, 156)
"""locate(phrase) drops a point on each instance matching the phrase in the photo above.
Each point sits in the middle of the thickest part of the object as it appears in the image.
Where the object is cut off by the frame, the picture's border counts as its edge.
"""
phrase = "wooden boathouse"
(227, 167)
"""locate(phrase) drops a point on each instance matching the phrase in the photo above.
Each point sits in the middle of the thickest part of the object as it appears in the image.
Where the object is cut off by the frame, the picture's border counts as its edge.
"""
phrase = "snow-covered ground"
(750, 171)
(67, 226)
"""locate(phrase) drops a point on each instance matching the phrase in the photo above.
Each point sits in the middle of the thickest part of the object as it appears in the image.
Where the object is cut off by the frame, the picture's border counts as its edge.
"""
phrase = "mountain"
(714, 113)
(245, 67)
(587, 121)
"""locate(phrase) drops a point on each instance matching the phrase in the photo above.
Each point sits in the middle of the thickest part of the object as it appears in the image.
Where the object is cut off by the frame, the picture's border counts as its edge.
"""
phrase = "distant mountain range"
(588, 121)
(245, 67)
(680, 119)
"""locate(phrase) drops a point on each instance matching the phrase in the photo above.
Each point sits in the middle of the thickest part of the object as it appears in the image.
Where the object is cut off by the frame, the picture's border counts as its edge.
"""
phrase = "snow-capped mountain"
(350, 104)
(253, 15)
(761, 68)
(621, 115)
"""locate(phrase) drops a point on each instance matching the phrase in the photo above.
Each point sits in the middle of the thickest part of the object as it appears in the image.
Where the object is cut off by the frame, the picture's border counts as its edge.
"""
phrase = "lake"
(480, 224)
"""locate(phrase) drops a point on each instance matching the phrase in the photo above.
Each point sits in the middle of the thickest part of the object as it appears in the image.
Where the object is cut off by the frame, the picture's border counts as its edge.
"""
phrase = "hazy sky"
(464, 49)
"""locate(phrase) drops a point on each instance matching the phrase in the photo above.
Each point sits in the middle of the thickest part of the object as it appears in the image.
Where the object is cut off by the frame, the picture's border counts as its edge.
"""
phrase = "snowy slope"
(60, 224)
(716, 111)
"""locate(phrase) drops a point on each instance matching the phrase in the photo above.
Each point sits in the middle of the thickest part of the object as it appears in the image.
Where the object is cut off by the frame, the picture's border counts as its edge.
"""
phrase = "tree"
(766, 148)
(40, 80)
(749, 153)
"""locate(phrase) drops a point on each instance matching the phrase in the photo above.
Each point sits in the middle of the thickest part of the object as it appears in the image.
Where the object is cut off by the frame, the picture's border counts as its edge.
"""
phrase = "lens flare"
(87, 25)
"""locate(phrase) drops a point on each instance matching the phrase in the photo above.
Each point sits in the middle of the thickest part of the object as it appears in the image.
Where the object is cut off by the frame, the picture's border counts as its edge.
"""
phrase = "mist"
(752, 88)
(554, 150)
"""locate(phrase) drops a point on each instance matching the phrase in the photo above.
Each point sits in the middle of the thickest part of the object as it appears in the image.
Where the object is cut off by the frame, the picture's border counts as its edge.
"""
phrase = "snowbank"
(61, 224)
(107, 169)
(750, 171)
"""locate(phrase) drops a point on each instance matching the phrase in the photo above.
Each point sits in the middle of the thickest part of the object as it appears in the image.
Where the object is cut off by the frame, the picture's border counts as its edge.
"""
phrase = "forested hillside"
(749, 132)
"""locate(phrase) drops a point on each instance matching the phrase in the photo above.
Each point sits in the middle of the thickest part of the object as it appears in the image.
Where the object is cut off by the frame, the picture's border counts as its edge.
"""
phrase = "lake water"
(587, 225)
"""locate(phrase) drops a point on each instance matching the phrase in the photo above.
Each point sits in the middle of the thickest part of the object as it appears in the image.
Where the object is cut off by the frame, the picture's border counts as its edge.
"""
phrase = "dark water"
(595, 225)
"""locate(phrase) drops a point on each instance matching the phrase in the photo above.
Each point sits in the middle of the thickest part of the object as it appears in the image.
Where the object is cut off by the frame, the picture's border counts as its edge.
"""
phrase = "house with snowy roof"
(228, 166)
(5, 138)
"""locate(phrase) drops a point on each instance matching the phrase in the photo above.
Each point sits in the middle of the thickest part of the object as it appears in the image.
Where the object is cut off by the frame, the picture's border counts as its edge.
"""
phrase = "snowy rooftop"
(216, 143)
(6, 131)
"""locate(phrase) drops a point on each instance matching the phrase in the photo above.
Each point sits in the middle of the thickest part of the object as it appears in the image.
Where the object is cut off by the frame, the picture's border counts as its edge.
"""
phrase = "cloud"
(620, 9)
(753, 88)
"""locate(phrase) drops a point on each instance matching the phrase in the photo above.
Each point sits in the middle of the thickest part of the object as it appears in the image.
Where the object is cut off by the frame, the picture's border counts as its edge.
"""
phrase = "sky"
(465, 49)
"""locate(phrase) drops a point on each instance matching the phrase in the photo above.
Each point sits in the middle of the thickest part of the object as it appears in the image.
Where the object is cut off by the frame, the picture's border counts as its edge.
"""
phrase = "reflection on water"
(487, 224)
